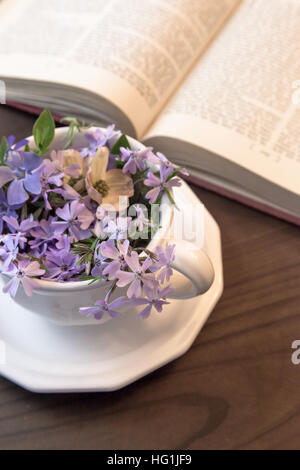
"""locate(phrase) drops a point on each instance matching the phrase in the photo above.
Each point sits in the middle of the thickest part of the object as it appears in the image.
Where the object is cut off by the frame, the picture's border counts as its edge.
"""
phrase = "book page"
(133, 52)
(240, 101)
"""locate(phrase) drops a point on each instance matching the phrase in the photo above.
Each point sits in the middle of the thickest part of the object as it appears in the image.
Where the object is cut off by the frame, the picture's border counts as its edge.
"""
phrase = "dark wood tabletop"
(236, 388)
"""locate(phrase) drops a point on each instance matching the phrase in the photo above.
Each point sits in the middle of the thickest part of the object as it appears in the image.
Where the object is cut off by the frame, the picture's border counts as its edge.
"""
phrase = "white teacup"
(60, 302)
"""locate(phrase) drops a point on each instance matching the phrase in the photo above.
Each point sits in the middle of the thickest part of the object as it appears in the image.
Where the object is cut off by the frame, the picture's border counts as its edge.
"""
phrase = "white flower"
(104, 187)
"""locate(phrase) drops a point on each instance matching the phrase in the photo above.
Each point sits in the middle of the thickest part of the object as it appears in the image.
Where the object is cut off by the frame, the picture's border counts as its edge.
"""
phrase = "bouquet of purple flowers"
(64, 215)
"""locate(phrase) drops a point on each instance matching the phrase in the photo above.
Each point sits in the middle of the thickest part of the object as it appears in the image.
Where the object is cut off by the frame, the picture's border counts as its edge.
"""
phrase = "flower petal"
(134, 289)
(31, 161)
(120, 189)
(12, 287)
(91, 311)
(73, 157)
(16, 193)
(98, 165)
(133, 262)
(29, 285)
(32, 184)
(124, 278)
(108, 250)
(145, 312)
(119, 183)
(6, 175)
(153, 194)
(34, 269)
(85, 218)
(92, 192)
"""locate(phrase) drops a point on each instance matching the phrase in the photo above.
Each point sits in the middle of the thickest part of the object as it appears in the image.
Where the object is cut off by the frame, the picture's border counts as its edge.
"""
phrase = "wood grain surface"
(235, 389)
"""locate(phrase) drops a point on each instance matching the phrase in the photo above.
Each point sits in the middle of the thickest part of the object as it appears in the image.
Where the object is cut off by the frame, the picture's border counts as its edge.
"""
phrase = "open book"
(207, 82)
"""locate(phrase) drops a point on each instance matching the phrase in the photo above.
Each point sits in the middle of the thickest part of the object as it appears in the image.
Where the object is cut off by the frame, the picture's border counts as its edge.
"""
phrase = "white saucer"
(44, 357)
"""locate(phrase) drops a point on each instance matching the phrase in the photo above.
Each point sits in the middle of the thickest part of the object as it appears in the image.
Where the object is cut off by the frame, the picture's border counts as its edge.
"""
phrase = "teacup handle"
(193, 271)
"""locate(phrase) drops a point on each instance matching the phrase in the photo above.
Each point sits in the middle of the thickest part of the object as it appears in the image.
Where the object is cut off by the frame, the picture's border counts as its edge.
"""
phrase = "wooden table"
(235, 389)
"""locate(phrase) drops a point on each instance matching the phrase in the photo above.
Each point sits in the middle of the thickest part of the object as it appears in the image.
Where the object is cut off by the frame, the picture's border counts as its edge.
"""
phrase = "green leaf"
(121, 142)
(170, 198)
(98, 278)
(43, 130)
(175, 172)
(3, 150)
(74, 125)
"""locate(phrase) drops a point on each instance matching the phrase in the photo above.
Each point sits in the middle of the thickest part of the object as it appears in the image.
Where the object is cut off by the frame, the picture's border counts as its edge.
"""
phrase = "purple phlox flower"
(137, 277)
(112, 135)
(76, 218)
(101, 213)
(9, 250)
(63, 242)
(159, 158)
(103, 306)
(99, 262)
(141, 220)
(44, 232)
(166, 258)
(61, 265)
(40, 251)
(99, 139)
(160, 183)
(116, 253)
(155, 298)
(135, 159)
(23, 228)
(70, 194)
(58, 160)
(117, 229)
(99, 229)
(48, 176)
(5, 209)
(23, 273)
(21, 171)
(12, 146)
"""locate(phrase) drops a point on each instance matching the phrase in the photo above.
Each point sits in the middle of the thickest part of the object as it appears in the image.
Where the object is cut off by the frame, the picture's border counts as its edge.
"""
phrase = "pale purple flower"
(23, 273)
(155, 298)
(159, 158)
(9, 250)
(100, 227)
(117, 229)
(99, 263)
(48, 176)
(166, 258)
(76, 219)
(61, 265)
(99, 139)
(160, 183)
(5, 209)
(43, 232)
(109, 251)
(12, 146)
(103, 306)
(23, 228)
(63, 242)
(141, 220)
(135, 159)
(70, 194)
(21, 172)
(137, 277)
